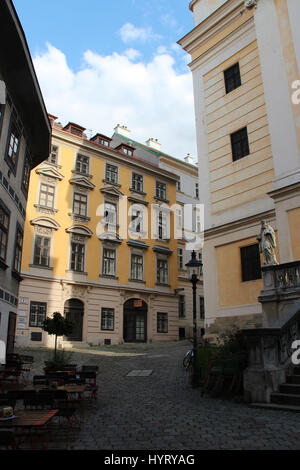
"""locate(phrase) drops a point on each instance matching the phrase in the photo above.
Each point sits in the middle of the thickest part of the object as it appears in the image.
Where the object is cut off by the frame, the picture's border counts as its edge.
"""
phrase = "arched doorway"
(74, 310)
(135, 321)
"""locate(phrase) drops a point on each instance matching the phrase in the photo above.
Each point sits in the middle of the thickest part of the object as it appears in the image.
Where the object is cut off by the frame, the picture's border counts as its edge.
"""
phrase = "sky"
(102, 63)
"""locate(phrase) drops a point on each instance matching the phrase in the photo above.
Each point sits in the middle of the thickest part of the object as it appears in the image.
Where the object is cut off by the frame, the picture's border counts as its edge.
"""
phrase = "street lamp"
(194, 270)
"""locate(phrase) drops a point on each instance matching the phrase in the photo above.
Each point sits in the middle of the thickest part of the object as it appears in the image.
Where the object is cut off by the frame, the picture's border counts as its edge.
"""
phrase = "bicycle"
(189, 355)
(188, 359)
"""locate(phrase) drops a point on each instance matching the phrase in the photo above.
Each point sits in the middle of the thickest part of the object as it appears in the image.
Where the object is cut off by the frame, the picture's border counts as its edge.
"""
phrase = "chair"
(70, 367)
(26, 359)
(39, 400)
(7, 440)
(89, 377)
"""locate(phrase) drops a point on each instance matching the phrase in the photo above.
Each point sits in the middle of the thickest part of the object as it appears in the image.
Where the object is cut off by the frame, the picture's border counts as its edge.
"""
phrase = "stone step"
(74, 344)
(293, 388)
(293, 379)
(274, 406)
(285, 399)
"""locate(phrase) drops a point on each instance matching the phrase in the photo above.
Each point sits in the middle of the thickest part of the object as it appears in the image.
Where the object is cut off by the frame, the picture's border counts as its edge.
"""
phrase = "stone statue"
(267, 243)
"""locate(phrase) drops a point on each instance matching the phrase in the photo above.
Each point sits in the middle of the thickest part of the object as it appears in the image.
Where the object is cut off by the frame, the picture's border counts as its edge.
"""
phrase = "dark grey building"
(25, 134)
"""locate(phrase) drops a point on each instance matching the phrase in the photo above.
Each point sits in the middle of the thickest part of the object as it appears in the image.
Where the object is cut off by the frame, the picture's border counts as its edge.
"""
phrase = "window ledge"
(81, 173)
(76, 272)
(160, 199)
(39, 266)
(162, 284)
(137, 280)
(79, 218)
(142, 193)
(45, 209)
(108, 276)
(111, 182)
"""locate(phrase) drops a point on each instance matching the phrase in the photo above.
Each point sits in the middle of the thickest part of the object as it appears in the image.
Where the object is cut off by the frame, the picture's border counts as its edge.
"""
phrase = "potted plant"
(58, 326)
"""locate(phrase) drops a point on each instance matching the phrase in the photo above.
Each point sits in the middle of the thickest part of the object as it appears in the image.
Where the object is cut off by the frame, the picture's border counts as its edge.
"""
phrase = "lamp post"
(194, 271)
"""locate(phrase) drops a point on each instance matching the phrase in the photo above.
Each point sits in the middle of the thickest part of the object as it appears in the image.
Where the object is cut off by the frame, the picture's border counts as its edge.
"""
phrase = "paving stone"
(161, 411)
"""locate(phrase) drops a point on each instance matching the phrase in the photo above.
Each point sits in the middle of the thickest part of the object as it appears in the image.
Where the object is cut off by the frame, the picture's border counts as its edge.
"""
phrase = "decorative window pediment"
(110, 237)
(45, 222)
(80, 230)
(49, 171)
(111, 191)
(162, 249)
(82, 181)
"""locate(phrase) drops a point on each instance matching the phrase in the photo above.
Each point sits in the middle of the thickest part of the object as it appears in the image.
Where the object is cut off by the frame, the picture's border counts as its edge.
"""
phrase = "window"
(179, 219)
(128, 152)
(232, 77)
(26, 174)
(109, 262)
(13, 144)
(110, 213)
(41, 251)
(77, 257)
(18, 250)
(162, 322)
(4, 225)
(178, 185)
(80, 204)
(111, 173)
(107, 319)
(250, 259)
(180, 258)
(161, 190)
(137, 182)
(47, 195)
(197, 190)
(202, 308)
(104, 142)
(162, 226)
(239, 144)
(181, 306)
(53, 157)
(82, 164)
(137, 267)
(37, 313)
(137, 220)
(162, 271)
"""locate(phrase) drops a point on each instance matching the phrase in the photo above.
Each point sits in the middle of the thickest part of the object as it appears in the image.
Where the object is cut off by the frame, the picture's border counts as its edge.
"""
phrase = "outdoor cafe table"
(32, 420)
(73, 389)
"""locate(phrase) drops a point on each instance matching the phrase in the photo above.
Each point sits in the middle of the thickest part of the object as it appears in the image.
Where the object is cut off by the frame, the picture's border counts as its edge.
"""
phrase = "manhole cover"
(140, 373)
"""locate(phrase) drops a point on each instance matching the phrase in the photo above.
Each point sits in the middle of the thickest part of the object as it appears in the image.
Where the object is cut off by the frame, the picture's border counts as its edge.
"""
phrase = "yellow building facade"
(245, 59)
(99, 245)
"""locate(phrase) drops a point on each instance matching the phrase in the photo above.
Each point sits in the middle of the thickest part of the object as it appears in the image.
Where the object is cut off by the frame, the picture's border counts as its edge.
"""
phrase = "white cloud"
(132, 54)
(151, 99)
(130, 33)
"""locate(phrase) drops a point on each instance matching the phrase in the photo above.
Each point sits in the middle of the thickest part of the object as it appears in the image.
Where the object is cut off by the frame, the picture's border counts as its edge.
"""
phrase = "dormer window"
(101, 139)
(126, 149)
(75, 129)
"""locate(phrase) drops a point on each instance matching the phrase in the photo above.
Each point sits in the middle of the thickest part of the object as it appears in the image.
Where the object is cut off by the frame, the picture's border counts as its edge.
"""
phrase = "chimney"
(189, 159)
(153, 143)
(122, 130)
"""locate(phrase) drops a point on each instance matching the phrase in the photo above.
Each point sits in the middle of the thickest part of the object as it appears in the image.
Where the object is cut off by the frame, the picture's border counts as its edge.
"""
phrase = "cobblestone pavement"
(161, 411)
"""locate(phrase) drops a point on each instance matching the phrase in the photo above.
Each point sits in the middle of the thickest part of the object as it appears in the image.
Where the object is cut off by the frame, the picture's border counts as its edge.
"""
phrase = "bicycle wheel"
(188, 359)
